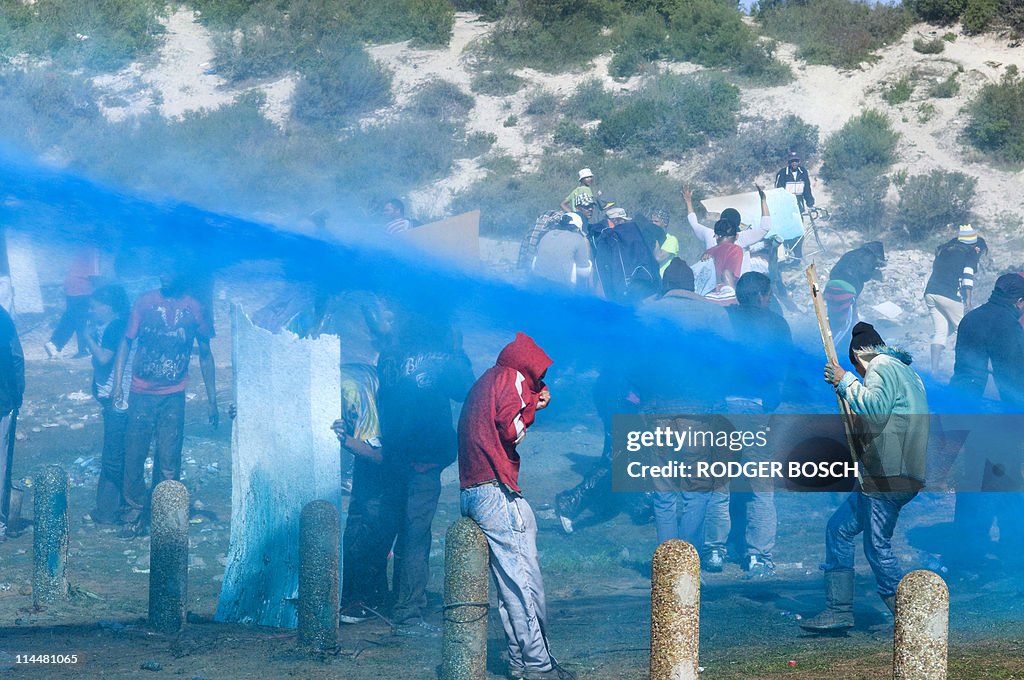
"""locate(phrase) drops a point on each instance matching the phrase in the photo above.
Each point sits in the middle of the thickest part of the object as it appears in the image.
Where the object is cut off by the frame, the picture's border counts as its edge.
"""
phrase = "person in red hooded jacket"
(500, 407)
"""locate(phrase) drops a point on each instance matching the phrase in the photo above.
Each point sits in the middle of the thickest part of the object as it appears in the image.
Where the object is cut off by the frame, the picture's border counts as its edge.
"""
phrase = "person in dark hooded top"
(497, 412)
(992, 334)
(845, 283)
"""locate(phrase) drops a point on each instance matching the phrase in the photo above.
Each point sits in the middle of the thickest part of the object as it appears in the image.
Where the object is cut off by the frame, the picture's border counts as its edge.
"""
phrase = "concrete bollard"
(464, 645)
(168, 557)
(675, 611)
(319, 576)
(921, 631)
(50, 536)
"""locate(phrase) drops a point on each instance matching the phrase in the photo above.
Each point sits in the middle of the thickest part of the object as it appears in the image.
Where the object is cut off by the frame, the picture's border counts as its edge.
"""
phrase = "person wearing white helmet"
(585, 187)
(563, 254)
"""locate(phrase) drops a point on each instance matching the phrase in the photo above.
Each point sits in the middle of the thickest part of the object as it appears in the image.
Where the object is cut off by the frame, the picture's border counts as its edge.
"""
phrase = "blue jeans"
(680, 514)
(511, 530)
(876, 516)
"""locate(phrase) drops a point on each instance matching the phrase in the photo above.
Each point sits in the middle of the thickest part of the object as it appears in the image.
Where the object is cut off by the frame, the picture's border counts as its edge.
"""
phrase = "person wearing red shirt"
(727, 256)
(163, 327)
(500, 407)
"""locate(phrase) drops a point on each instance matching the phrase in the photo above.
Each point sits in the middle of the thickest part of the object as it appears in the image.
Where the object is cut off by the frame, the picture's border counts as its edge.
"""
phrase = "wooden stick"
(830, 353)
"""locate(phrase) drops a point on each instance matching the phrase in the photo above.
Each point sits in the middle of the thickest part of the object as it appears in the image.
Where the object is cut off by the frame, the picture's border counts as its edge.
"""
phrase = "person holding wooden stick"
(891, 423)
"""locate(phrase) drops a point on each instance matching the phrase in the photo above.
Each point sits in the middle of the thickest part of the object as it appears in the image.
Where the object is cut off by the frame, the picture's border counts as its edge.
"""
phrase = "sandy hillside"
(182, 78)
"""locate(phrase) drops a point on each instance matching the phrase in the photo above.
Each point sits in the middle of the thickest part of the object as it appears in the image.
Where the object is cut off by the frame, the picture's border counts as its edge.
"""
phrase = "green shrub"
(627, 61)
(933, 46)
(639, 40)
(938, 11)
(859, 201)
(931, 203)
(708, 32)
(271, 40)
(427, 21)
(866, 142)
(670, 114)
(346, 83)
(994, 118)
(945, 89)
(552, 35)
(222, 13)
(498, 82)
(979, 15)
(99, 35)
(488, 10)
(441, 99)
(386, 161)
(542, 104)
(44, 106)
(760, 147)
(568, 133)
(758, 63)
(477, 144)
(511, 121)
(899, 92)
(590, 101)
(840, 33)
(925, 112)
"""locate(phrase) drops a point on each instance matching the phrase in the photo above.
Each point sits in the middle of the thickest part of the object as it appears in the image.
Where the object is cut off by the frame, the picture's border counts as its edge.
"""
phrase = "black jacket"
(859, 266)
(12, 365)
(992, 332)
(784, 176)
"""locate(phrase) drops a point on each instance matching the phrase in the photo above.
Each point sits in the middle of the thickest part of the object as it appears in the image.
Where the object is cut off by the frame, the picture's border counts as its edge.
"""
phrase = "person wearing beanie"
(500, 408)
(744, 239)
(795, 179)
(845, 283)
(892, 433)
(948, 293)
(679, 304)
(992, 334)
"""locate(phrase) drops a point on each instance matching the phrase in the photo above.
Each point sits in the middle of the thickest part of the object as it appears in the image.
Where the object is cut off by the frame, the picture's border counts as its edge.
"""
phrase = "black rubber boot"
(838, 614)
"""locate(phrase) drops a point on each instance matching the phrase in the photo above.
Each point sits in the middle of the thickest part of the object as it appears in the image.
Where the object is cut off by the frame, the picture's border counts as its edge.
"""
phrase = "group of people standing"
(398, 424)
(140, 356)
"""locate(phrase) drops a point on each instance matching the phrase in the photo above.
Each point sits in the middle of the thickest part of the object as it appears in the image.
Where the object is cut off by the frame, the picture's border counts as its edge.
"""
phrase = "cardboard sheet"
(786, 220)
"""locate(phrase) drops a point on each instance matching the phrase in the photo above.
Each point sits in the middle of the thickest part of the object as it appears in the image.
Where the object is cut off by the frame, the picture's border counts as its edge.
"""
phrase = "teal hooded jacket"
(892, 422)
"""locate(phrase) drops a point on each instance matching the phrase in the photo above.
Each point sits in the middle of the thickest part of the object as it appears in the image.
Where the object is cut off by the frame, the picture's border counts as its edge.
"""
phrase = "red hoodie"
(499, 408)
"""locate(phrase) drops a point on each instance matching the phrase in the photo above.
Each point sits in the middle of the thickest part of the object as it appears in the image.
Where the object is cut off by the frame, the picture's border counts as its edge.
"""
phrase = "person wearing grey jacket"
(891, 426)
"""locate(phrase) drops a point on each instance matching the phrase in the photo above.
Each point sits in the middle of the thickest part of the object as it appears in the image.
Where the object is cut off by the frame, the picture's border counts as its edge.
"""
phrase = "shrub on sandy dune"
(865, 143)
(840, 33)
(932, 202)
(994, 118)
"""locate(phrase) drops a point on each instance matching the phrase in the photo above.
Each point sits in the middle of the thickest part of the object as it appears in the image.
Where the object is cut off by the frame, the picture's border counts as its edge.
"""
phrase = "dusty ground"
(597, 582)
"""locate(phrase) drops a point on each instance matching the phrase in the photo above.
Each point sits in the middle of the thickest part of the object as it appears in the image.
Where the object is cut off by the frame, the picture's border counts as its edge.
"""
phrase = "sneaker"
(417, 628)
(51, 350)
(715, 560)
(516, 672)
(355, 613)
(760, 567)
(556, 672)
